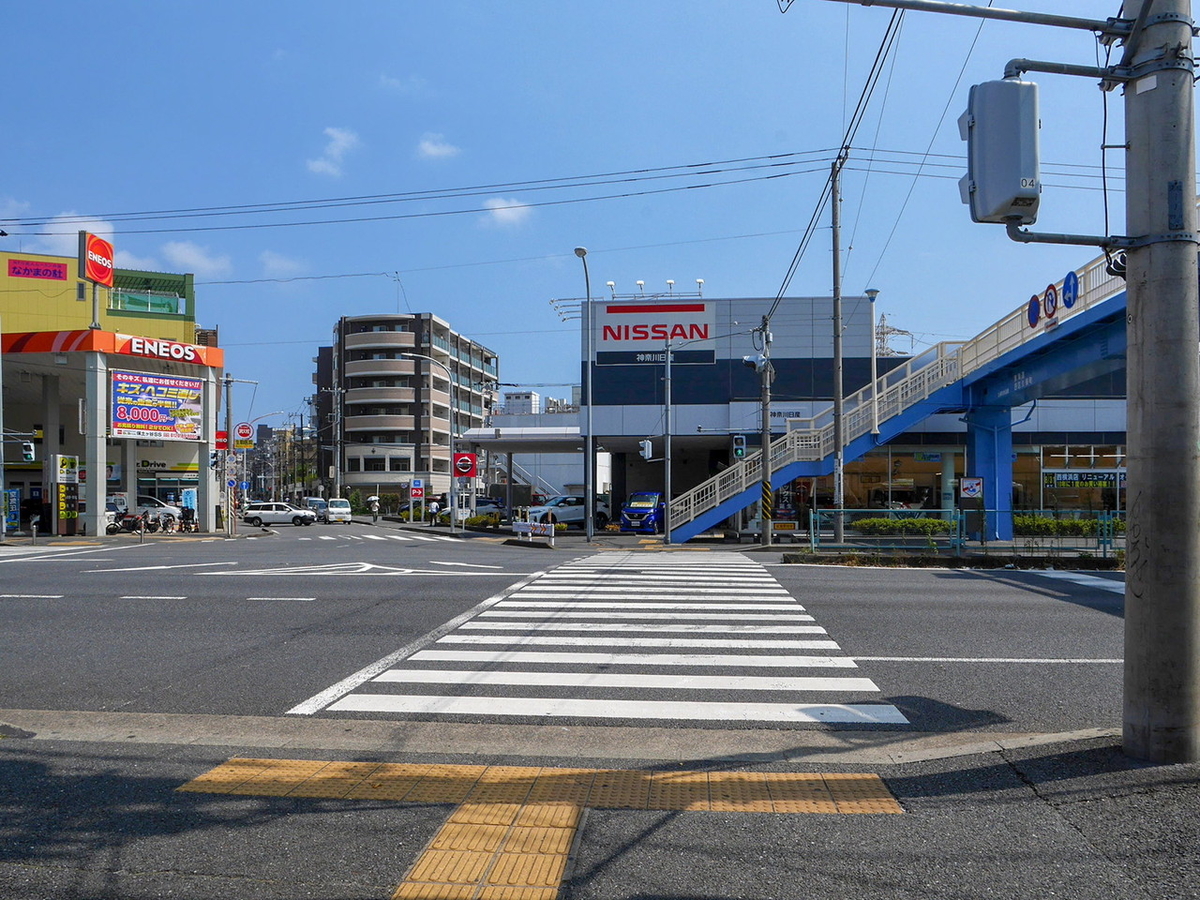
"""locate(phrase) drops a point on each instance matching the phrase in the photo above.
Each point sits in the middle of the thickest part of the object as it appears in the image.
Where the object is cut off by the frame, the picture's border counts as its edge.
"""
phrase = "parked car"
(568, 509)
(319, 506)
(155, 507)
(275, 512)
(644, 511)
(337, 510)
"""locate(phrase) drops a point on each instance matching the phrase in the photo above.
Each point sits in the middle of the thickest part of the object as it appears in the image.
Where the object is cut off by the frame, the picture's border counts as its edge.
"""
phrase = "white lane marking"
(31, 596)
(989, 659)
(666, 605)
(671, 643)
(374, 537)
(327, 537)
(399, 537)
(149, 597)
(66, 554)
(649, 616)
(435, 562)
(609, 588)
(282, 598)
(703, 660)
(350, 568)
(154, 568)
(319, 701)
(617, 680)
(1091, 581)
(625, 595)
(637, 628)
(832, 713)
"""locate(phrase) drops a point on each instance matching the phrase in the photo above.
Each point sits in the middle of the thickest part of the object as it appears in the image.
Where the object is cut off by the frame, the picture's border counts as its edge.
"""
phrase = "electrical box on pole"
(1003, 181)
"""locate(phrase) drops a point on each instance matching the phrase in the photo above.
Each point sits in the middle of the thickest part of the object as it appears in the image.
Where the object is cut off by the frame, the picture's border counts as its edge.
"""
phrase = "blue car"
(644, 512)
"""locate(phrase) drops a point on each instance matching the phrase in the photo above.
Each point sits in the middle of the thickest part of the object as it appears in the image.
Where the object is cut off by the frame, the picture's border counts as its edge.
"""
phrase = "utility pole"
(225, 469)
(839, 432)
(1162, 566)
(766, 504)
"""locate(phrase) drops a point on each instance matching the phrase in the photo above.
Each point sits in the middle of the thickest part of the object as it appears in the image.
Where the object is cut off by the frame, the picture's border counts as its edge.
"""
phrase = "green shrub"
(902, 526)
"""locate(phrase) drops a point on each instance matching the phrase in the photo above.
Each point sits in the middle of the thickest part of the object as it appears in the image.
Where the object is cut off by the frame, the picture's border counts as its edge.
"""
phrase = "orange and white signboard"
(96, 262)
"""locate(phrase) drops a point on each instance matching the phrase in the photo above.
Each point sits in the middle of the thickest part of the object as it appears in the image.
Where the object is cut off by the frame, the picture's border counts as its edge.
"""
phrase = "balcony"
(379, 423)
(356, 368)
(380, 340)
(380, 395)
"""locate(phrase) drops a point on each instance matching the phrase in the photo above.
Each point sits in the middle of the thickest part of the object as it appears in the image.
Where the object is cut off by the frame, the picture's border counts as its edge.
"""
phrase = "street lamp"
(589, 460)
(453, 480)
(872, 293)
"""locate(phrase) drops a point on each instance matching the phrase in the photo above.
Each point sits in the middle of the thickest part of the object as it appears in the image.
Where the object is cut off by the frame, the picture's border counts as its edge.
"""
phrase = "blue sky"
(130, 107)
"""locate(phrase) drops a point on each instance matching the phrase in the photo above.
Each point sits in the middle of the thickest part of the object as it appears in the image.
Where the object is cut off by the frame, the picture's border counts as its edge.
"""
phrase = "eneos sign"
(96, 259)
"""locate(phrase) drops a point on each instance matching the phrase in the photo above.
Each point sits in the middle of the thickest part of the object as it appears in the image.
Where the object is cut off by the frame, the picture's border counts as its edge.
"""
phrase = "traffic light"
(27, 453)
(212, 459)
(647, 450)
(739, 446)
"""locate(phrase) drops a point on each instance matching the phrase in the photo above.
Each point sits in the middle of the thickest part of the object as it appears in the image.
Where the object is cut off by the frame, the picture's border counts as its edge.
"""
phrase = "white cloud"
(126, 260)
(341, 141)
(506, 213)
(62, 238)
(184, 256)
(276, 265)
(435, 146)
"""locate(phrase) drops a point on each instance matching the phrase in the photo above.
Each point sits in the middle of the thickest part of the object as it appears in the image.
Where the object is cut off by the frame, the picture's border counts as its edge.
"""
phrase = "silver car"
(277, 513)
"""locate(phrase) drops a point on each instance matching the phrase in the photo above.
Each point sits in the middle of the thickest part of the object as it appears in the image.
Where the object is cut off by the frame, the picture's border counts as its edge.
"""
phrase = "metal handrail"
(812, 438)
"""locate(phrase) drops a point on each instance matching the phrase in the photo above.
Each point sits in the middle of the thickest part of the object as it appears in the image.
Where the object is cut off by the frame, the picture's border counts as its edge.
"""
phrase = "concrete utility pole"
(1162, 566)
(766, 506)
(839, 403)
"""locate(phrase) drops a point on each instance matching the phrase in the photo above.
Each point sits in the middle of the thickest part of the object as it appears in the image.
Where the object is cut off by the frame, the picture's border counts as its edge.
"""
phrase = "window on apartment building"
(374, 464)
(353, 464)
(399, 464)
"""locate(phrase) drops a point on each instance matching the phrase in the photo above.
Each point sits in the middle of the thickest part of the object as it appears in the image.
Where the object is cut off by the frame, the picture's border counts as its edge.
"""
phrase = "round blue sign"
(1035, 310)
(1070, 290)
(231, 482)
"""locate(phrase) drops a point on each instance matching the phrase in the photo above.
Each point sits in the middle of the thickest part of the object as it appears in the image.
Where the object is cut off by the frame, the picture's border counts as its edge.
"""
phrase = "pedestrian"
(375, 511)
(434, 509)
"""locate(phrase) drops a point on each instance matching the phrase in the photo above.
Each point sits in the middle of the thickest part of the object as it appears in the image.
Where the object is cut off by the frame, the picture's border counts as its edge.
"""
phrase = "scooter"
(134, 523)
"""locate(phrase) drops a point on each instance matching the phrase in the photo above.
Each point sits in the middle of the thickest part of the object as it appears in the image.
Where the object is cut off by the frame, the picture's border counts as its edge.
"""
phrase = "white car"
(156, 508)
(568, 509)
(337, 510)
(277, 513)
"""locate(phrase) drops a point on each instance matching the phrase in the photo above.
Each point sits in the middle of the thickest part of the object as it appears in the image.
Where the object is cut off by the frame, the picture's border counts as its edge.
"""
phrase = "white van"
(337, 510)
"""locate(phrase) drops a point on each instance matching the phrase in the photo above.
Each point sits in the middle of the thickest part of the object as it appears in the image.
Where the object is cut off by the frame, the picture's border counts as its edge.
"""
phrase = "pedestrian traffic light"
(212, 460)
(739, 446)
(647, 448)
(27, 453)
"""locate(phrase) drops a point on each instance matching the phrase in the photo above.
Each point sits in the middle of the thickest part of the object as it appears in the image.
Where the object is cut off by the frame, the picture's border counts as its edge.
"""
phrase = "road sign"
(418, 482)
(416, 493)
(1070, 290)
(243, 431)
(971, 488)
(232, 482)
(245, 485)
(466, 464)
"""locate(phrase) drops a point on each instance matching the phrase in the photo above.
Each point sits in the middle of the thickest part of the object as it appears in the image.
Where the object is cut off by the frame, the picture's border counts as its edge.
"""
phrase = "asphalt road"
(180, 665)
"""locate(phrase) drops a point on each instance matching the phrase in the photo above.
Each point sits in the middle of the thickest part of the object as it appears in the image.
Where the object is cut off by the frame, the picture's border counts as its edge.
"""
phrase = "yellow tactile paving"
(513, 826)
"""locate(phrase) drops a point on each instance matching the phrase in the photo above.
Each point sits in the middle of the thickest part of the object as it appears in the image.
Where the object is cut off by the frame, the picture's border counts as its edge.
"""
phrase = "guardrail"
(812, 438)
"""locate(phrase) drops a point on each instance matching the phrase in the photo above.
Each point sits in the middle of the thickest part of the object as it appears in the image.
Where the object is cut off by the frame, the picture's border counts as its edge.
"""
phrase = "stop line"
(670, 637)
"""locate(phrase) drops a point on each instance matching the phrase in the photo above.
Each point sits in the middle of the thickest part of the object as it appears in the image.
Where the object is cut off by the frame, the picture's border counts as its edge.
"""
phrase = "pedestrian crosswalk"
(705, 638)
(406, 536)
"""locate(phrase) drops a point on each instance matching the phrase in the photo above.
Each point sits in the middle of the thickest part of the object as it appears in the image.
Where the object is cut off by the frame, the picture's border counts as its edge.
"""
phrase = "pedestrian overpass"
(1070, 334)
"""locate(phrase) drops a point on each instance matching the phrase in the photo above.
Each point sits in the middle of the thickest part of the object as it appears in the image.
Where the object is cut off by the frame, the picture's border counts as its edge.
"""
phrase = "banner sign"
(156, 407)
(1088, 479)
(66, 469)
(32, 268)
(637, 333)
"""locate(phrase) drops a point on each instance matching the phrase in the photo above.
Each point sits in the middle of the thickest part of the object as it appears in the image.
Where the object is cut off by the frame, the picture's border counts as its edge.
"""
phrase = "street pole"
(667, 442)
(453, 492)
(589, 446)
(872, 293)
(839, 436)
(1162, 590)
(766, 503)
(225, 457)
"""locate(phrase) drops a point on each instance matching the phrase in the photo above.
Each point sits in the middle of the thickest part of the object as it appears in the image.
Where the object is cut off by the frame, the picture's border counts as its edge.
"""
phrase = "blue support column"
(989, 456)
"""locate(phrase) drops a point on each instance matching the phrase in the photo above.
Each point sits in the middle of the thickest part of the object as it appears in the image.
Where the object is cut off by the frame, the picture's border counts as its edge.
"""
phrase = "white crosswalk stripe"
(631, 636)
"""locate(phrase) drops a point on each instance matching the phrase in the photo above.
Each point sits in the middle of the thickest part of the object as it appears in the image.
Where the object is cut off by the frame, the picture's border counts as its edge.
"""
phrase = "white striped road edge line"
(832, 713)
(319, 701)
(1092, 581)
(637, 628)
(31, 596)
(698, 660)
(149, 597)
(623, 590)
(669, 604)
(303, 599)
(989, 659)
(668, 643)
(608, 615)
(618, 680)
